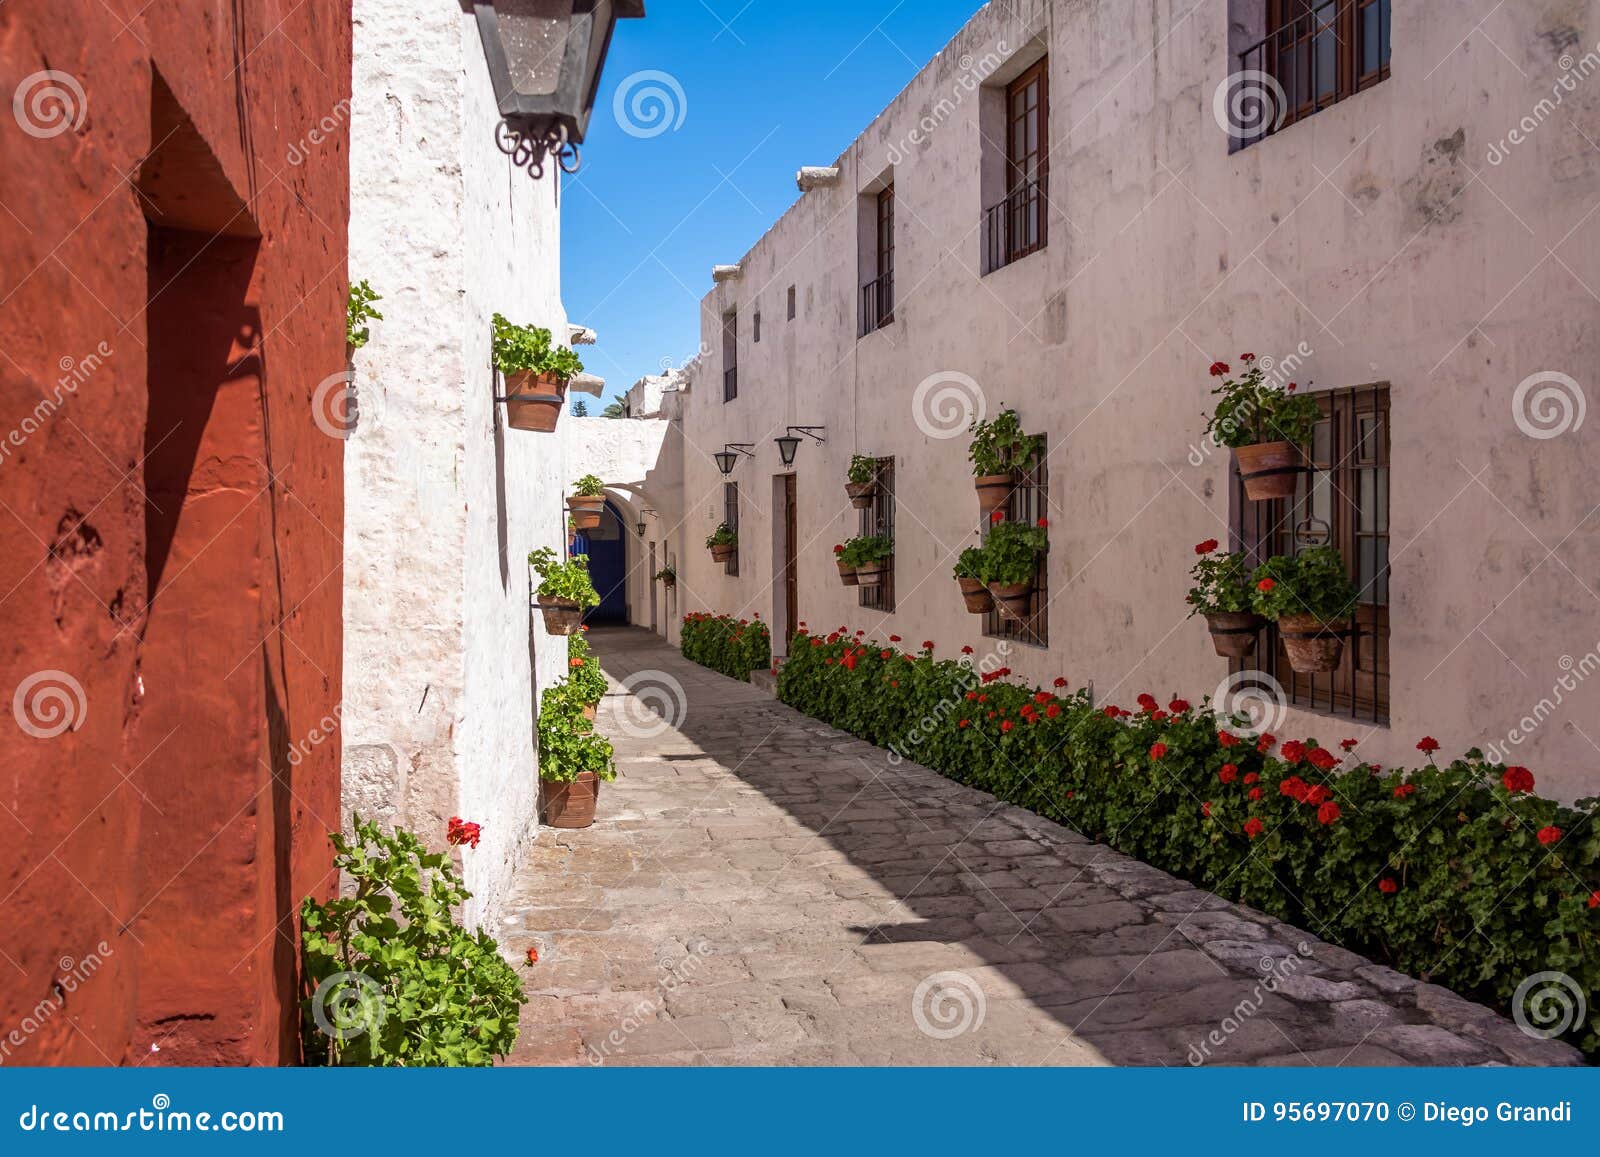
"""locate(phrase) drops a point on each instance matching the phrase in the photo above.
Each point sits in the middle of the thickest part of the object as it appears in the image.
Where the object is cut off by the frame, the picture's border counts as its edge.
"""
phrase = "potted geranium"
(1265, 425)
(847, 567)
(969, 571)
(723, 543)
(862, 481)
(587, 500)
(1008, 562)
(1223, 592)
(1000, 451)
(573, 759)
(584, 673)
(1311, 598)
(564, 590)
(536, 375)
(871, 555)
(358, 312)
(667, 576)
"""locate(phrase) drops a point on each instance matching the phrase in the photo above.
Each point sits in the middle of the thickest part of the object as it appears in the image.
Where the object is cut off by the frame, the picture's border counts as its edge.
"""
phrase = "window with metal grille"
(1015, 227)
(879, 519)
(1318, 52)
(877, 295)
(791, 303)
(1343, 499)
(755, 327)
(1030, 501)
(730, 356)
(730, 515)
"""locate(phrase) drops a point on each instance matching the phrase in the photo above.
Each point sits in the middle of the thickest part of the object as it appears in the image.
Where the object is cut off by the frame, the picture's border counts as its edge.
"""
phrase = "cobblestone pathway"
(762, 889)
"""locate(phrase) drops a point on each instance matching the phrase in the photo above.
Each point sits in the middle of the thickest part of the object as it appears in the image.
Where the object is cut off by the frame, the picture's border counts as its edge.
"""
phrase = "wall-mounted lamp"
(788, 444)
(545, 61)
(728, 457)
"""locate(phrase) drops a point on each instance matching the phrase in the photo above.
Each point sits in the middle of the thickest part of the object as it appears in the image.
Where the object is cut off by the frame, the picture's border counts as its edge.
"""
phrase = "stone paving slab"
(762, 889)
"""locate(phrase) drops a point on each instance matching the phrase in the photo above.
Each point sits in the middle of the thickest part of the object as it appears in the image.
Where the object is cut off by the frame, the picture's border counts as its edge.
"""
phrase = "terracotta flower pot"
(534, 403)
(585, 511)
(571, 805)
(861, 494)
(977, 597)
(723, 553)
(1015, 599)
(1269, 469)
(1233, 633)
(994, 491)
(561, 616)
(847, 575)
(871, 574)
(1314, 647)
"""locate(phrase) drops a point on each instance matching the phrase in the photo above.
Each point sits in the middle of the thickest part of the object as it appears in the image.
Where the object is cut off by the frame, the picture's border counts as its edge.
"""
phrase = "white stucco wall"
(1378, 233)
(443, 502)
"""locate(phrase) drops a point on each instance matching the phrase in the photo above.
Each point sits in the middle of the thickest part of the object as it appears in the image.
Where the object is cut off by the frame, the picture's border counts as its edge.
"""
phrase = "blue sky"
(767, 86)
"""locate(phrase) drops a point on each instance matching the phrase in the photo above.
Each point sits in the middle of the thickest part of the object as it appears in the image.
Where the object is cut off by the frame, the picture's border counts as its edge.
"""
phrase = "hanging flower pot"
(723, 553)
(1269, 469)
(1015, 599)
(1233, 633)
(976, 596)
(571, 805)
(561, 616)
(870, 574)
(723, 543)
(861, 494)
(1314, 647)
(586, 503)
(534, 401)
(994, 491)
(861, 483)
(847, 574)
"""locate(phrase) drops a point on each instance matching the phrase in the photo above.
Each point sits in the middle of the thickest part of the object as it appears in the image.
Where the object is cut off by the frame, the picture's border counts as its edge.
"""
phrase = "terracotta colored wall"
(172, 271)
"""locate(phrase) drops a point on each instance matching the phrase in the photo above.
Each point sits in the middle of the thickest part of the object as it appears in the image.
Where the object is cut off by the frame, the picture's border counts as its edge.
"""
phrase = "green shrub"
(584, 671)
(862, 470)
(722, 536)
(563, 580)
(969, 564)
(1010, 555)
(734, 647)
(1313, 582)
(1456, 873)
(1223, 583)
(519, 348)
(394, 979)
(999, 446)
(1252, 410)
(589, 486)
(358, 312)
(868, 550)
(568, 743)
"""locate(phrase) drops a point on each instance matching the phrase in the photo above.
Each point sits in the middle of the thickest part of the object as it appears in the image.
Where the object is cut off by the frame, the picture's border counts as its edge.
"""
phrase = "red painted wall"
(173, 209)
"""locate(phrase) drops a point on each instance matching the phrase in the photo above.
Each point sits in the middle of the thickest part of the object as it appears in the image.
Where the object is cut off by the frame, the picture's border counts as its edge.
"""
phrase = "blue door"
(607, 548)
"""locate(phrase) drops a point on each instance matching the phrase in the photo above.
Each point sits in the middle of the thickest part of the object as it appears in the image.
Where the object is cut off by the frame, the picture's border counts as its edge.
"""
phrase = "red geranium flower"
(1253, 827)
(964, 723)
(1254, 794)
(1218, 369)
(997, 516)
(1113, 712)
(1007, 725)
(1252, 776)
(1044, 524)
(1266, 743)
(1266, 585)
(1349, 744)
(1517, 779)
(1247, 357)
(1207, 546)
(1548, 836)
(1060, 682)
(966, 650)
(1148, 702)
(1053, 710)
(1327, 813)
(1293, 751)
(1294, 788)
(1388, 886)
(838, 548)
(1227, 739)
(1428, 745)
(533, 956)
(927, 644)
(1404, 790)
(457, 831)
(1178, 706)
(1205, 810)
(1229, 772)
(1323, 759)
(1594, 900)
(1158, 751)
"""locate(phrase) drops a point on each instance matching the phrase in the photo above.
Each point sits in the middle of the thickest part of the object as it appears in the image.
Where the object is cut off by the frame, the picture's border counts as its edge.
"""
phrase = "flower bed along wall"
(1458, 874)
(734, 647)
